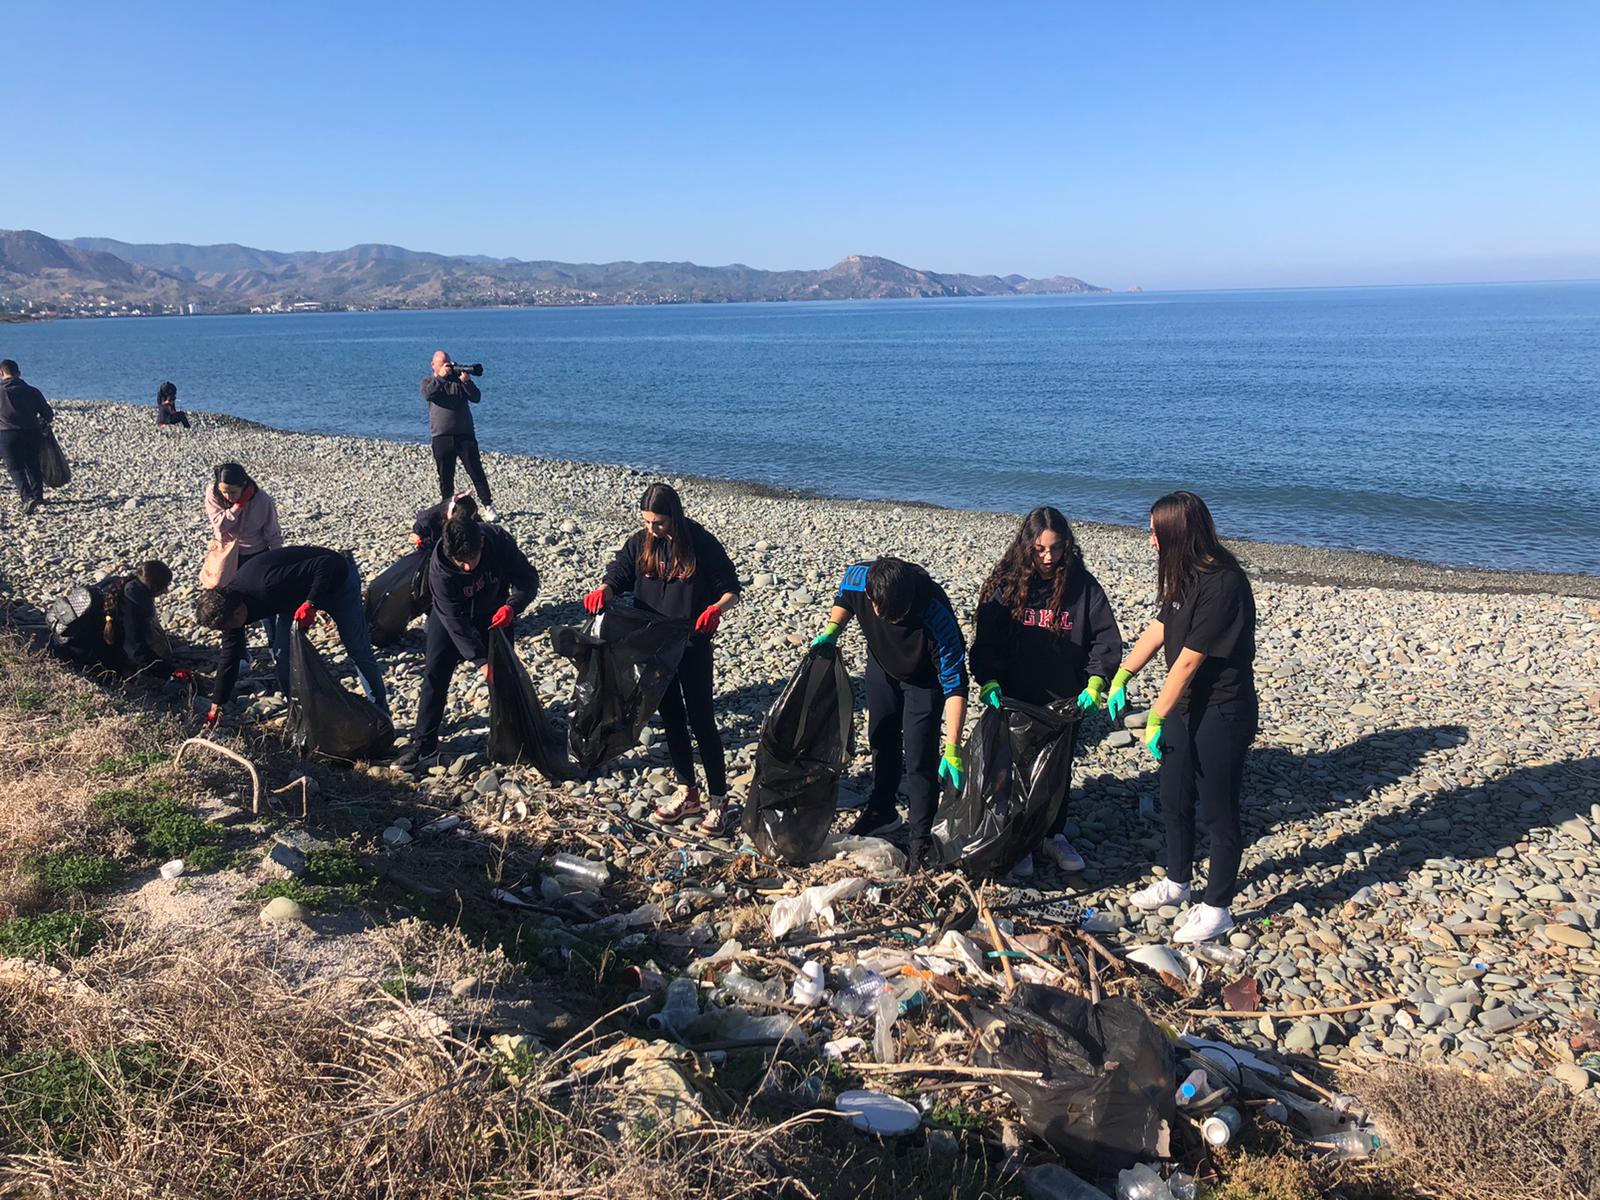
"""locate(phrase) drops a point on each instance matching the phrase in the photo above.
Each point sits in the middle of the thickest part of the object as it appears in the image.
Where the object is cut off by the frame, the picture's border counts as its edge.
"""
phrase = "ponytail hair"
(672, 557)
(111, 609)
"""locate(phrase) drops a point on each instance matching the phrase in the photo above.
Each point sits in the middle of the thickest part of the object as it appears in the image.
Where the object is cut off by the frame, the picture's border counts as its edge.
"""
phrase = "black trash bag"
(1106, 1098)
(324, 718)
(397, 596)
(519, 731)
(54, 469)
(626, 657)
(805, 747)
(1019, 766)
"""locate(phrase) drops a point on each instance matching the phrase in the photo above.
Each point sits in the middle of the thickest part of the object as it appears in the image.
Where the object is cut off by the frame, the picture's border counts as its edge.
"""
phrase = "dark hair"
(670, 557)
(892, 586)
(462, 538)
(155, 575)
(1187, 543)
(9, 366)
(232, 474)
(463, 507)
(1009, 581)
(214, 606)
(167, 391)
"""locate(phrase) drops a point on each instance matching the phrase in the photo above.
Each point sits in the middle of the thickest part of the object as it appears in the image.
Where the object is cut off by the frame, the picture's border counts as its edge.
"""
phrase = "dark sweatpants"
(1064, 808)
(442, 660)
(903, 727)
(1202, 769)
(21, 449)
(687, 705)
(446, 449)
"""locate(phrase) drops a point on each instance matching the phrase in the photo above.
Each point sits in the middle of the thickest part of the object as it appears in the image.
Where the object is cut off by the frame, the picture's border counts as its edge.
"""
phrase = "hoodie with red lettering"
(1045, 653)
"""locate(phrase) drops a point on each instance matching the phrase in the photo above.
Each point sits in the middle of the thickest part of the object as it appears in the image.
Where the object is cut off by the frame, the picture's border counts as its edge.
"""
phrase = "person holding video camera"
(449, 391)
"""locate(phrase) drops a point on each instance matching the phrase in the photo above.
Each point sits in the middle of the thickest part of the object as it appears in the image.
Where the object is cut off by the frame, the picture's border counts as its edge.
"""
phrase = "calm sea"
(1455, 424)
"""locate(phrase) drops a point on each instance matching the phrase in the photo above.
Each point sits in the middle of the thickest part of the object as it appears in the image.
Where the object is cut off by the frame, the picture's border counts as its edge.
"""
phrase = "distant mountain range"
(82, 276)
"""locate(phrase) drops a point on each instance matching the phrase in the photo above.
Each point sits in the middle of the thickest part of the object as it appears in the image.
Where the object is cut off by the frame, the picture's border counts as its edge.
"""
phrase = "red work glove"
(416, 540)
(503, 617)
(708, 621)
(594, 601)
(212, 716)
(305, 615)
(183, 676)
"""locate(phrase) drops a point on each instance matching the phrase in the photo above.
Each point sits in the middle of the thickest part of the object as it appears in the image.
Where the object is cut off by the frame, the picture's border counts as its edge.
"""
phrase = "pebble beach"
(1422, 806)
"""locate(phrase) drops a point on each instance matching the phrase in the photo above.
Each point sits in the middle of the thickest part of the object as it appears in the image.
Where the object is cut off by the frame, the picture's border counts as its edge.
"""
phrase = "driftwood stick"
(255, 777)
(1326, 1010)
(942, 1069)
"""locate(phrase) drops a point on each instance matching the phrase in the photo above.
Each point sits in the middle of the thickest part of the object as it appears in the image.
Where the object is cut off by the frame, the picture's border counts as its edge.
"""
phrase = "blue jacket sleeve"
(949, 647)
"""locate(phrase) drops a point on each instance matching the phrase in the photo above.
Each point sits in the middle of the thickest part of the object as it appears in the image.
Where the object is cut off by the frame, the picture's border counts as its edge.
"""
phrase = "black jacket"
(275, 583)
(1049, 654)
(682, 599)
(449, 414)
(464, 601)
(22, 406)
(924, 649)
(429, 524)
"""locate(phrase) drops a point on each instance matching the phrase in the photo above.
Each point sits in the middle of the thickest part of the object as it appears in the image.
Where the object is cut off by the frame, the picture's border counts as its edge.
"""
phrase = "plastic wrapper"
(519, 730)
(803, 751)
(626, 658)
(1105, 1099)
(397, 596)
(813, 905)
(1019, 767)
(54, 469)
(324, 718)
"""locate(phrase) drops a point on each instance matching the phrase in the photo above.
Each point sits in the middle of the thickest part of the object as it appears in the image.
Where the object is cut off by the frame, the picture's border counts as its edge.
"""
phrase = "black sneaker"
(29, 507)
(418, 756)
(923, 856)
(875, 822)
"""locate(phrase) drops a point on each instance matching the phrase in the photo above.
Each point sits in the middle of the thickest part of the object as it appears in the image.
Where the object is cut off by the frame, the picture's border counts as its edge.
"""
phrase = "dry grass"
(1467, 1137)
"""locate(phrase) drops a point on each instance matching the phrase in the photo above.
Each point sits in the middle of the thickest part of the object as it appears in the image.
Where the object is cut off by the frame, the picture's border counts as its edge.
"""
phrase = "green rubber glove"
(1152, 734)
(951, 768)
(828, 636)
(1117, 703)
(1093, 696)
(989, 694)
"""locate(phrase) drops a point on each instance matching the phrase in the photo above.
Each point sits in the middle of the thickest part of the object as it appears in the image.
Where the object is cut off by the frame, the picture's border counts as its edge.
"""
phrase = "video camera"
(469, 368)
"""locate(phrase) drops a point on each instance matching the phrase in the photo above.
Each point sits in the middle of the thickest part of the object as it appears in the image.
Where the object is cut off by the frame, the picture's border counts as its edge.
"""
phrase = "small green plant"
(335, 866)
(29, 698)
(958, 1118)
(127, 764)
(207, 858)
(49, 936)
(162, 828)
(71, 871)
(68, 1095)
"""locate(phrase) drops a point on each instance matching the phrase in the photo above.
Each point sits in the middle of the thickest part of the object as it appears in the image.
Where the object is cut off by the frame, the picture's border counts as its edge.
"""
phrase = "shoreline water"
(1283, 562)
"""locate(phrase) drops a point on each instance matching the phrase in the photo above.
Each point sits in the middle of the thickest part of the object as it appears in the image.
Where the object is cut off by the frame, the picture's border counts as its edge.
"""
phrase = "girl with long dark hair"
(1045, 633)
(675, 568)
(244, 522)
(167, 412)
(1201, 725)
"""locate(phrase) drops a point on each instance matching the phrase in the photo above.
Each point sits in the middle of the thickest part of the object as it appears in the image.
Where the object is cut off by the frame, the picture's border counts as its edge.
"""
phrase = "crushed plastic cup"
(809, 985)
(876, 1112)
(682, 1006)
(172, 869)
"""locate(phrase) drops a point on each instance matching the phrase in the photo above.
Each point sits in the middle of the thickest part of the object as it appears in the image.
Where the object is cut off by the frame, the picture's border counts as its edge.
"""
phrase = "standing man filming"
(449, 390)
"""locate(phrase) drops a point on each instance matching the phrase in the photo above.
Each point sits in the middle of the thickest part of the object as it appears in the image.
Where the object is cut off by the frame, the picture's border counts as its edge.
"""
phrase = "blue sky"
(1164, 145)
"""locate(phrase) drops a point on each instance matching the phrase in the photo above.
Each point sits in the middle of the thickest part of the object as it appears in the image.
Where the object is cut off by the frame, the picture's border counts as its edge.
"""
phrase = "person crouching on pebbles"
(1045, 633)
(478, 581)
(916, 670)
(1201, 725)
(676, 568)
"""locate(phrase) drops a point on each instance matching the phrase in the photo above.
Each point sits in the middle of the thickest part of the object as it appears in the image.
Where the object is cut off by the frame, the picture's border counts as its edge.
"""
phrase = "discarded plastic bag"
(626, 659)
(1105, 1100)
(323, 717)
(519, 731)
(397, 596)
(813, 905)
(1177, 970)
(54, 469)
(804, 748)
(872, 856)
(1019, 766)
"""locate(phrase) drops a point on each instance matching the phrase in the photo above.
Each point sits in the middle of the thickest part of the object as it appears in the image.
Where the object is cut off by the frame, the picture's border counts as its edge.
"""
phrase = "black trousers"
(687, 706)
(1202, 769)
(903, 727)
(446, 449)
(442, 660)
(1066, 790)
(21, 448)
(173, 418)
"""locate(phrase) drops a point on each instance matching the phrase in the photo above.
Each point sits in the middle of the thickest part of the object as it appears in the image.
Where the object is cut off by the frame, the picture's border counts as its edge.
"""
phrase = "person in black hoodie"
(167, 412)
(123, 635)
(24, 413)
(916, 670)
(478, 581)
(450, 394)
(675, 568)
(1045, 633)
(284, 588)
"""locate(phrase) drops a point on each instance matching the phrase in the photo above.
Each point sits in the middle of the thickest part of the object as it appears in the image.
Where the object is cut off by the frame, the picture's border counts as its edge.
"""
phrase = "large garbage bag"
(804, 748)
(1105, 1099)
(397, 596)
(325, 718)
(1019, 766)
(519, 731)
(626, 657)
(54, 469)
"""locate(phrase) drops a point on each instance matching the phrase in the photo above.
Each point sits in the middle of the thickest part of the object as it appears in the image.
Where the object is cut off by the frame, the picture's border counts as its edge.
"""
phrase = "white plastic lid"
(875, 1112)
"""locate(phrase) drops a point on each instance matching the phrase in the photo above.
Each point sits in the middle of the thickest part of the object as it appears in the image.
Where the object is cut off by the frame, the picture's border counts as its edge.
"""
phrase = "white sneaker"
(489, 513)
(1159, 894)
(1063, 853)
(1204, 922)
(1023, 868)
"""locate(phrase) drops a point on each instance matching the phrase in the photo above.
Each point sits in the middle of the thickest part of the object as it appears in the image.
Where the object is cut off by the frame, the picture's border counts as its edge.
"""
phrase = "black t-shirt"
(1219, 620)
(678, 599)
(924, 648)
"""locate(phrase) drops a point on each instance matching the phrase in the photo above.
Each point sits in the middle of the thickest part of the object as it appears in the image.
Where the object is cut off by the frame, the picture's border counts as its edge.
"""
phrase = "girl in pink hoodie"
(241, 513)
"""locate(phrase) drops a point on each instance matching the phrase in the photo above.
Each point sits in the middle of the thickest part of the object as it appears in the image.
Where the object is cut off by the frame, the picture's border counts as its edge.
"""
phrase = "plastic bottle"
(1182, 1186)
(581, 871)
(682, 1006)
(752, 991)
(1221, 1126)
(1351, 1143)
(1142, 1182)
(809, 984)
(860, 992)
(1193, 1087)
(1219, 956)
(1050, 1181)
